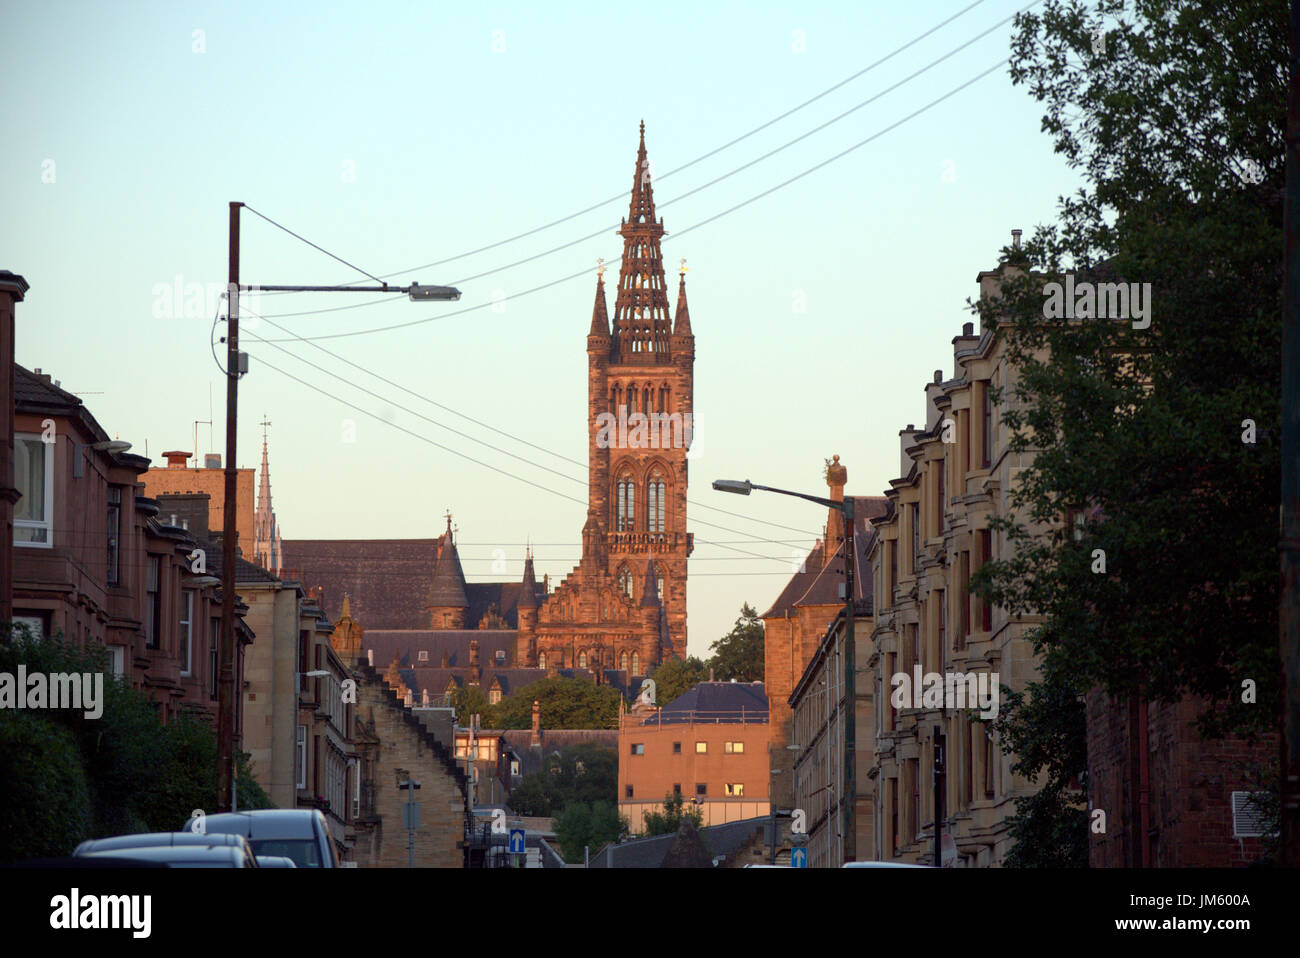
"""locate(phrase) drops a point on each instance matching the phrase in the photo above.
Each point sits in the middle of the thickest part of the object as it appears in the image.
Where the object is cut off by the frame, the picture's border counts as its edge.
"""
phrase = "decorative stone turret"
(447, 602)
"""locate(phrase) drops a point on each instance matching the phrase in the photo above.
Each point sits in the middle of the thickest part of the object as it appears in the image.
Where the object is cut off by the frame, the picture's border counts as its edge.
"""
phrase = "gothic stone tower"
(608, 613)
(640, 388)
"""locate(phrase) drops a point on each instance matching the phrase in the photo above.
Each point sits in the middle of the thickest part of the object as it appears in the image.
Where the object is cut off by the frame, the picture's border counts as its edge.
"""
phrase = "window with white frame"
(117, 660)
(187, 629)
(34, 479)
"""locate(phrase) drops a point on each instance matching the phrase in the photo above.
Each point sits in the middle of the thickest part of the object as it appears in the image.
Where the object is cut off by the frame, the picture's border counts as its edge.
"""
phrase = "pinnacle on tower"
(683, 316)
(599, 312)
(650, 594)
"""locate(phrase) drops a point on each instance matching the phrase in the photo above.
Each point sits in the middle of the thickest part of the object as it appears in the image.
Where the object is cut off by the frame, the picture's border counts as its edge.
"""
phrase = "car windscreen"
(304, 851)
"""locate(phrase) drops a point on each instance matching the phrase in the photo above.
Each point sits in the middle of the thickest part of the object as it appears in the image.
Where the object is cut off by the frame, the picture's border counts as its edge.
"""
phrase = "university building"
(622, 610)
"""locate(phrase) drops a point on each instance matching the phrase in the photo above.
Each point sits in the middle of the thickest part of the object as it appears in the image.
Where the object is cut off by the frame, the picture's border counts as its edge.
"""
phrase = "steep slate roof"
(388, 581)
(722, 840)
(448, 587)
(818, 585)
(408, 643)
(723, 703)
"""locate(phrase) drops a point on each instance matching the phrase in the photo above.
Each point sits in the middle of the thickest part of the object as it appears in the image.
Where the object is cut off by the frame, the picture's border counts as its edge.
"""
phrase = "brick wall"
(1191, 781)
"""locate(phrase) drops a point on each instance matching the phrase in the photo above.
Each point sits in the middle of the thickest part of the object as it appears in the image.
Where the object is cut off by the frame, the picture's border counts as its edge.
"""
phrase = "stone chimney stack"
(536, 741)
(475, 673)
(177, 459)
(836, 478)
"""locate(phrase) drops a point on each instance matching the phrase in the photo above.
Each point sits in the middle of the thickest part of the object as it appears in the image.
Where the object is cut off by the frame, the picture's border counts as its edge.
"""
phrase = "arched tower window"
(626, 505)
(625, 580)
(582, 659)
(663, 399)
(636, 664)
(645, 400)
(631, 399)
(660, 584)
(622, 661)
(656, 502)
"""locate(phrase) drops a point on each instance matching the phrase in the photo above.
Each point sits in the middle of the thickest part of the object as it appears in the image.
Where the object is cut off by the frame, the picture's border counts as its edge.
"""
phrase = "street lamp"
(237, 365)
(744, 487)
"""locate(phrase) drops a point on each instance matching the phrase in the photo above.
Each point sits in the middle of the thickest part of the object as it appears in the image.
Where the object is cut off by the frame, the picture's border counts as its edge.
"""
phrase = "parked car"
(297, 833)
(274, 861)
(157, 840)
(216, 855)
(882, 865)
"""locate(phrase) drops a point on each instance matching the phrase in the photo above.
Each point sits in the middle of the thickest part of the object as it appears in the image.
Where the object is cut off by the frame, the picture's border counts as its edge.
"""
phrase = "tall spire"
(528, 589)
(641, 322)
(266, 545)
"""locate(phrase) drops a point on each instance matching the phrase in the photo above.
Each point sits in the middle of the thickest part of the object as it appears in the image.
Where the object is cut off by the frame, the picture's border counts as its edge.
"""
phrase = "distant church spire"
(599, 312)
(266, 535)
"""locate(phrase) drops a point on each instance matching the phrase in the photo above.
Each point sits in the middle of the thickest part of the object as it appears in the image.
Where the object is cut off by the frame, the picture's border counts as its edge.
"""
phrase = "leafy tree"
(565, 703)
(45, 807)
(580, 774)
(739, 654)
(469, 700)
(670, 819)
(677, 676)
(582, 826)
(1168, 585)
(120, 773)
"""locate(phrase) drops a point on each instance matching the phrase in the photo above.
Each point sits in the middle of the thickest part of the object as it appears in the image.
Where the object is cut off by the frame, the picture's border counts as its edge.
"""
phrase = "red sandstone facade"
(624, 606)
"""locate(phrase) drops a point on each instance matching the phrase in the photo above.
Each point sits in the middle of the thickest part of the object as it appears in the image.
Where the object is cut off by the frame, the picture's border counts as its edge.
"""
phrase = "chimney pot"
(176, 459)
(938, 376)
(1015, 239)
(968, 329)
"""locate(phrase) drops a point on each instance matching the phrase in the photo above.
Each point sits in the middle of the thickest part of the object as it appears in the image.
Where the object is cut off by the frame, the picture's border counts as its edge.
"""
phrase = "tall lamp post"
(845, 507)
(236, 366)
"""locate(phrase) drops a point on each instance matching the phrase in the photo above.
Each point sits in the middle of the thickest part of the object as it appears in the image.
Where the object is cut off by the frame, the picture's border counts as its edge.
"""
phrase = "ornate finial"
(600, 267)
(643, 129)
(448, 515)
(264, 423)
(684, 267)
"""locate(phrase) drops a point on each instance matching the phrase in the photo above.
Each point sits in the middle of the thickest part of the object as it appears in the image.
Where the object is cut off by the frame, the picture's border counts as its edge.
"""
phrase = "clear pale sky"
(400, 134)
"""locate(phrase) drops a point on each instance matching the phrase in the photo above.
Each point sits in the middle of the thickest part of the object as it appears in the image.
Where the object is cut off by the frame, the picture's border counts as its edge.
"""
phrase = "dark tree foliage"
(564, 703)
(69, 777)
(579, 774)
(1177, 125)
(739, 654)
(670, 819)
(580, 827)
(677, 676)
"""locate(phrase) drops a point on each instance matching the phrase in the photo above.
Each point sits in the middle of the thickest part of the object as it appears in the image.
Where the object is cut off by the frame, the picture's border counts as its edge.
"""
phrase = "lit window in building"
(701, 748)
(735, 789)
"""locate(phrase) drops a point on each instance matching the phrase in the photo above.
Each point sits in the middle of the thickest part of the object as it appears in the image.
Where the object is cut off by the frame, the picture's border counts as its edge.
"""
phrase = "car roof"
(267, 823)
(157, 840)
(882, 865)
(275, 861)
(231, 856)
